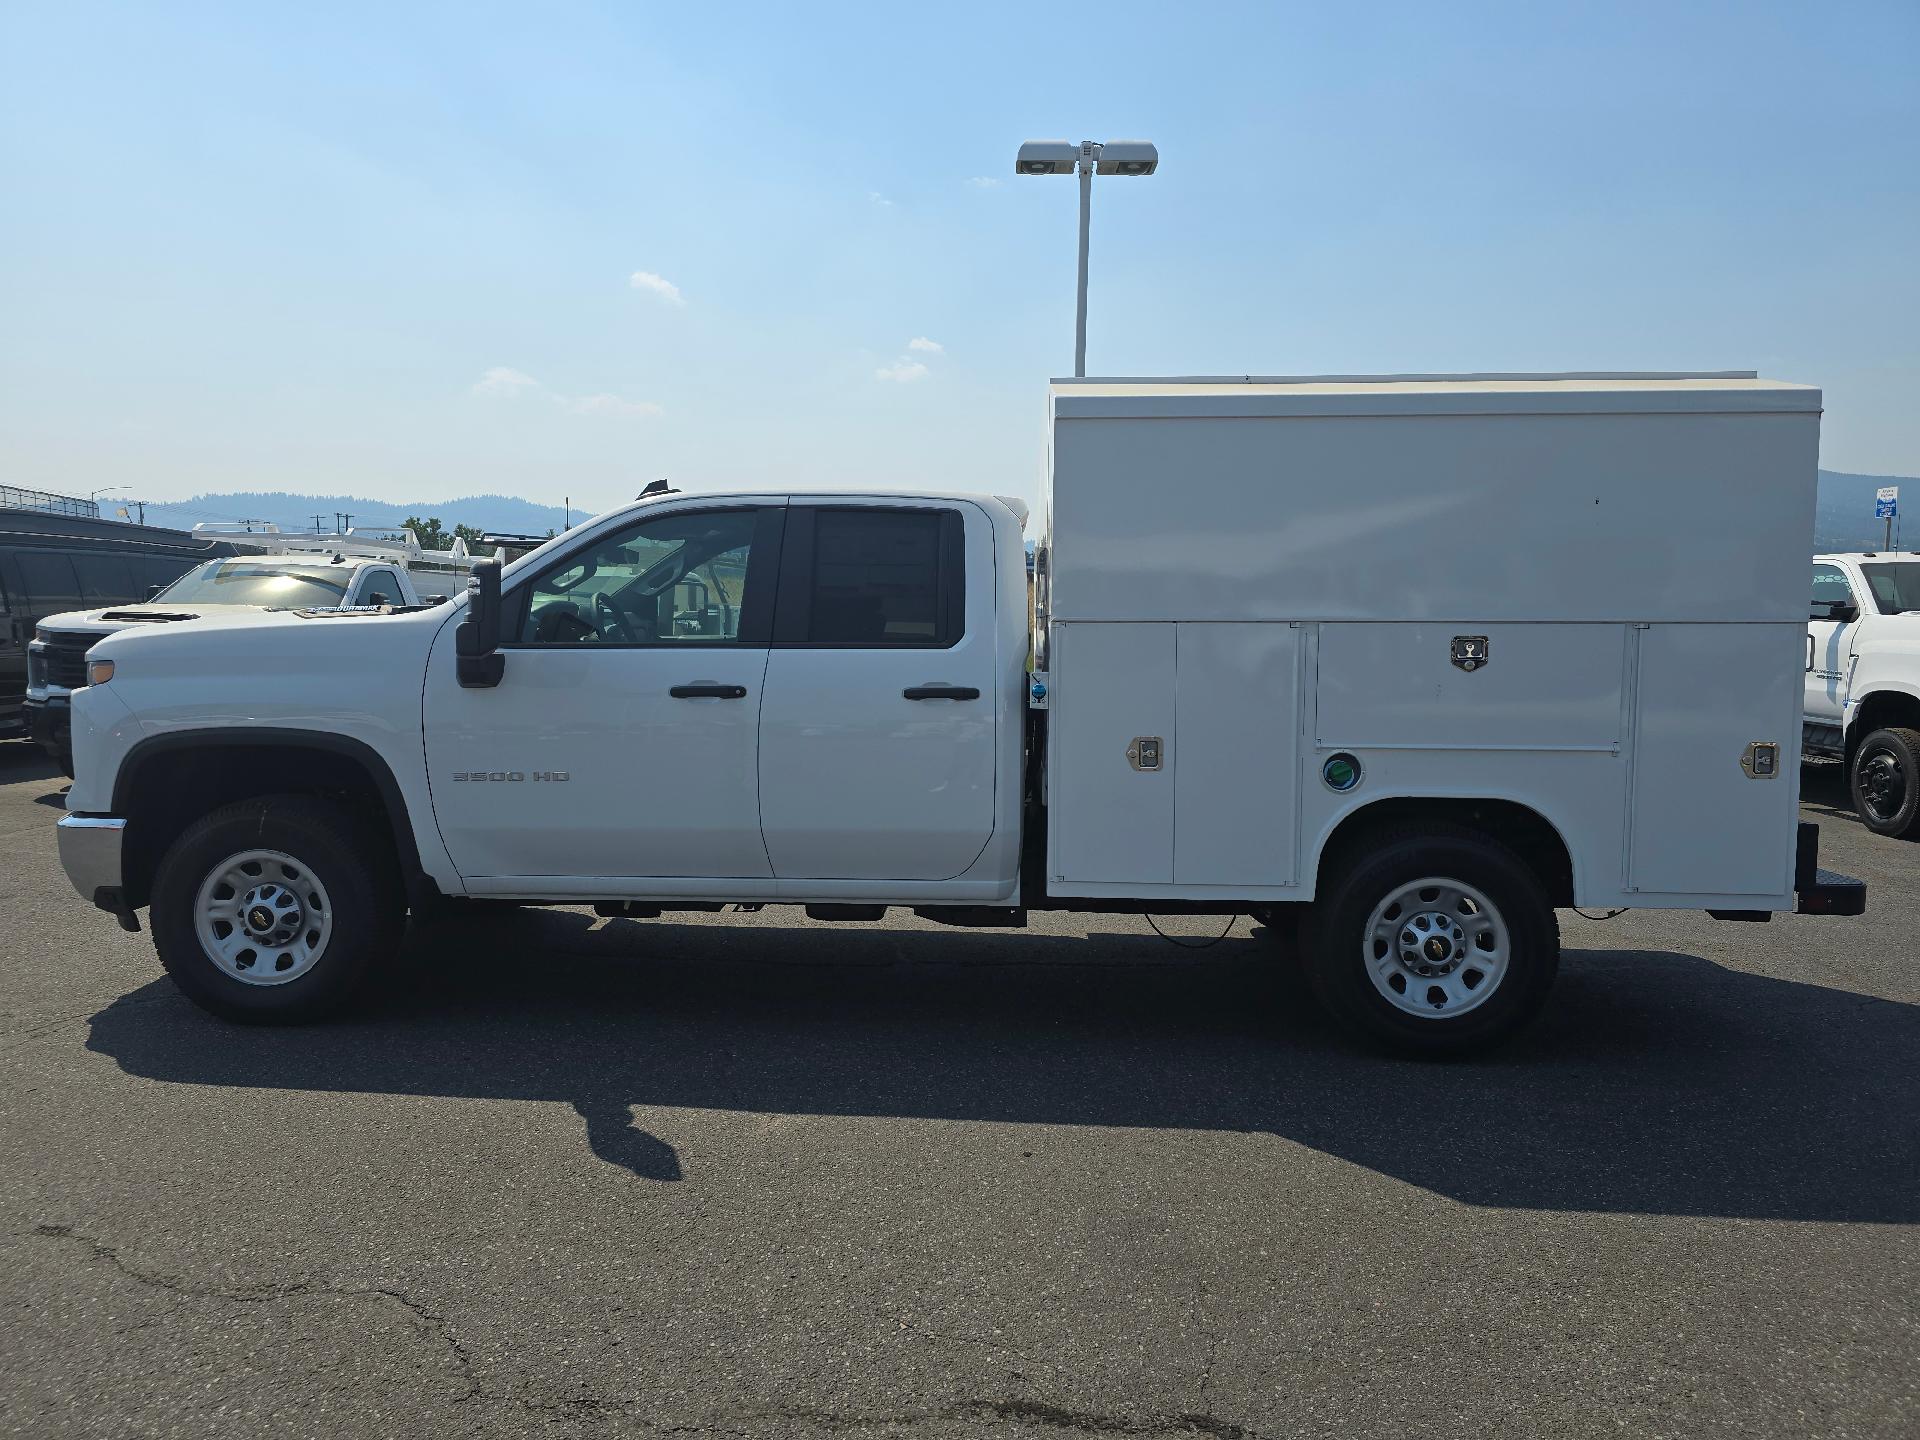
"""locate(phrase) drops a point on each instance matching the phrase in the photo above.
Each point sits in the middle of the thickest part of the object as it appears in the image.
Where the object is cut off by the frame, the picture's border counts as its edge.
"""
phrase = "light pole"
(1063, 157)
(93, 497)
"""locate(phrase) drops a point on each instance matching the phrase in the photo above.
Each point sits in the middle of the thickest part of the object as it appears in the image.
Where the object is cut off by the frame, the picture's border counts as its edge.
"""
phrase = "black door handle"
(708, 692)
(941, 692)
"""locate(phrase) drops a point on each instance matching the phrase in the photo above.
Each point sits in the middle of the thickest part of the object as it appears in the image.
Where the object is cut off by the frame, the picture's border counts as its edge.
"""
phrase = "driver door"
(1829, 647)
(622, 743)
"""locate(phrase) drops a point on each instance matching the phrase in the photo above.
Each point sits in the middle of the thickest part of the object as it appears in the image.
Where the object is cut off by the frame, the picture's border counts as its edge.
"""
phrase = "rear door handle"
(941, 692)
(708, 692)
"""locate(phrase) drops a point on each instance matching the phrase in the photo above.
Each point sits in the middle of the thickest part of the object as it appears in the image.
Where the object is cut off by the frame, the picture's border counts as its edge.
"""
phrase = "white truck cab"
(1863, 681)
(1394, 663)
(356, 568)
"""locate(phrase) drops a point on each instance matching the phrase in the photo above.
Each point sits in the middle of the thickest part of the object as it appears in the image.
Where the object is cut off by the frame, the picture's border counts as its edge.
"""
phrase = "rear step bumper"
(1822, 892)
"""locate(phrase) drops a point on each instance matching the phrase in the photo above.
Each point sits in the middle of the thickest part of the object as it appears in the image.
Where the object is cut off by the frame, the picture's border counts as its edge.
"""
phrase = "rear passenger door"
(877, 745)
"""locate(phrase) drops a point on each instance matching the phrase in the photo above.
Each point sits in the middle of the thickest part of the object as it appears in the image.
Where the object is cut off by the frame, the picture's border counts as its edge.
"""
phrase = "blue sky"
(390, 249)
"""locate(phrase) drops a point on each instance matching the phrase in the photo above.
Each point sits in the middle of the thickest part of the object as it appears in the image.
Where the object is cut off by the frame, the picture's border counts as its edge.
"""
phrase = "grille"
(67, 658)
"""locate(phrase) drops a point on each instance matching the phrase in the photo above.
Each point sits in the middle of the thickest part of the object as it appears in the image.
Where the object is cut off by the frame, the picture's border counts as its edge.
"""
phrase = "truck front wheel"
(1886, 781)
(271, 911)
(1437, 942)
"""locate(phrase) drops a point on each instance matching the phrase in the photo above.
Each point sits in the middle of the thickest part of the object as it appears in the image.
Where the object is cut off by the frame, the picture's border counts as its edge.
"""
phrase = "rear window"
(227, 582)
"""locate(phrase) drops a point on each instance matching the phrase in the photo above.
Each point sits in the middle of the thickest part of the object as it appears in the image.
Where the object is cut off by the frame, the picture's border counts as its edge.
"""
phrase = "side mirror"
(1841, 612)
(476, 642)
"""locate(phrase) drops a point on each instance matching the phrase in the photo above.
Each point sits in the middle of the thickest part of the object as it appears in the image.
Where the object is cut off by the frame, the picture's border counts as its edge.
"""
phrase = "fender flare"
(399, 818)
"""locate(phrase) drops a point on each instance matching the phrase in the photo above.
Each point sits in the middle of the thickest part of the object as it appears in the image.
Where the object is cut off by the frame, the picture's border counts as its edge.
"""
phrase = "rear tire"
(271, 911)
(1885, 781)
(1433, 942)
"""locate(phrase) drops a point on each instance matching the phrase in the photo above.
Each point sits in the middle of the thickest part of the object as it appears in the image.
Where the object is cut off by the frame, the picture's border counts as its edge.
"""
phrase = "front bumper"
(90, 854)
(50, 722)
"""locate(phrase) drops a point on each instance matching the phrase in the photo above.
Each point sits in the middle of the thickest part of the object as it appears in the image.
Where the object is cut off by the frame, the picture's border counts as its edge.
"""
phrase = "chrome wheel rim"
(1436, 948)
(263, 917)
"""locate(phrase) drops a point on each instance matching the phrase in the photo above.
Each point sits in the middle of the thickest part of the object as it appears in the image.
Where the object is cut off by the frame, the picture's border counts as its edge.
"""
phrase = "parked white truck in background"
(1413, 659)
(351, 569)
(1863, 682)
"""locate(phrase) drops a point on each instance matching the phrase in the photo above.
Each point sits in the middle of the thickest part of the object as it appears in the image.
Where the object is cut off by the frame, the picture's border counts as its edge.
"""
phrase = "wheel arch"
(168, 781)
(1532, 836)
(1880, 707)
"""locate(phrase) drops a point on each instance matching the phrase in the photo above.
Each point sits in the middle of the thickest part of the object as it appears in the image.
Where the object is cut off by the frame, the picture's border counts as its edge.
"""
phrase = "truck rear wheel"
(272, 910)
(1435, 942)
(1885, 779)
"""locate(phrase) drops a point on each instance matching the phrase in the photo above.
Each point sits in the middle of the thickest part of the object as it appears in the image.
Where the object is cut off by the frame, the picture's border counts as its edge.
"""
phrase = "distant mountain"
(506, 513)
(1843, 514)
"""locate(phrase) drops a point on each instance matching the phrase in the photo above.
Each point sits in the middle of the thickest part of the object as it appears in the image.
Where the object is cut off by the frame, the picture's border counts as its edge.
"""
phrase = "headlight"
(99, 671)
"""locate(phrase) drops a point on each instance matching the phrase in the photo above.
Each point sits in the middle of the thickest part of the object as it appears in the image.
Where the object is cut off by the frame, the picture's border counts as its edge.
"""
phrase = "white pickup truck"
(1399, 659)
(1863, 682)
(350, 573)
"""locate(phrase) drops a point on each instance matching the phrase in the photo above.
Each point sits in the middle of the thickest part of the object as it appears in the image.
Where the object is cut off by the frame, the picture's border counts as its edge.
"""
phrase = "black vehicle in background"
(50, 563)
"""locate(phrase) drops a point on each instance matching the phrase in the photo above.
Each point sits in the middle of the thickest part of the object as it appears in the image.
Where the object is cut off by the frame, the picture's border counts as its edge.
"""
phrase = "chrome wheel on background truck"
(271, 911)
(1436, 942)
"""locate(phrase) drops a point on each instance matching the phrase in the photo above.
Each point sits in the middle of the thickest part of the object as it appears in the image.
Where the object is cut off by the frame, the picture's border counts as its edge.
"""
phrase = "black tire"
(1336, 944)
(1884, 779)
(365, 906)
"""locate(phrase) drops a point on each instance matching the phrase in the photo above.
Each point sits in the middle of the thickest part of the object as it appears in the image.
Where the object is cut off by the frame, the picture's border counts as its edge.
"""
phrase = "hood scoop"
(157, 616)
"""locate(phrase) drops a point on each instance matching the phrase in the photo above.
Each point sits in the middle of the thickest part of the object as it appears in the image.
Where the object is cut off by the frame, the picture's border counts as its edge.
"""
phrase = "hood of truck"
(115, 618)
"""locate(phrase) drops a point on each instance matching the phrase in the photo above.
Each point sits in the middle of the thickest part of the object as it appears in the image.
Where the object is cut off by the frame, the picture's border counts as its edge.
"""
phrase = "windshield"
(1896, 586)
(227, 582)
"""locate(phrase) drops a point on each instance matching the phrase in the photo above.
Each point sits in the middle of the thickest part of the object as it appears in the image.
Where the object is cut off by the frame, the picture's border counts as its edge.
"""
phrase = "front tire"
(1885, 781)
(1434, 942)
(271, 911)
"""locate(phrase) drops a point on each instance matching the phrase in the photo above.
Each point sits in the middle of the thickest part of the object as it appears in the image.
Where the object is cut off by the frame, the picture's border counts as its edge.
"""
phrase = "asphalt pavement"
(751, 1175)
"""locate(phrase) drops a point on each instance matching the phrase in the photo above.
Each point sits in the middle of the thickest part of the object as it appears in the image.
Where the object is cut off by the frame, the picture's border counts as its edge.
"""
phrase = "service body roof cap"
(1594, 393)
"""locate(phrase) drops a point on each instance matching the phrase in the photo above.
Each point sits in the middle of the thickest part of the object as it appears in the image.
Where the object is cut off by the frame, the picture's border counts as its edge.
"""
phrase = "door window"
(1829, 584)
(685, 579)
(381, 587)
(871, 576)
(105, 579)
(50, 581)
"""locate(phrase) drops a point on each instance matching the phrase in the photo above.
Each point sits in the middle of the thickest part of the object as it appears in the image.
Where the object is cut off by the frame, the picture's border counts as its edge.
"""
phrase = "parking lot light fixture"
(1063, 157)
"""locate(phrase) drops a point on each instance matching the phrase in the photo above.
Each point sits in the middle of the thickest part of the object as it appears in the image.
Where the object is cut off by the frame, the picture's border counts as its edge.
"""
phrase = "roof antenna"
(657, 487)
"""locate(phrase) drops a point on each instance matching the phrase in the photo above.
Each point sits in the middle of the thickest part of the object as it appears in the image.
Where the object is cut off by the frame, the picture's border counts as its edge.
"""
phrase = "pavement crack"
(427, 1319)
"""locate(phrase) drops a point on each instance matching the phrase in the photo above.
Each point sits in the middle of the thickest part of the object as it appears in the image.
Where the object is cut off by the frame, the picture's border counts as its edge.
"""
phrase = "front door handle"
(941, 692)
(708, 692)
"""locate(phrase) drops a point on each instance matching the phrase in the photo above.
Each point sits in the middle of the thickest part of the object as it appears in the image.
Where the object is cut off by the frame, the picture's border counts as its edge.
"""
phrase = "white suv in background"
(1863, 682)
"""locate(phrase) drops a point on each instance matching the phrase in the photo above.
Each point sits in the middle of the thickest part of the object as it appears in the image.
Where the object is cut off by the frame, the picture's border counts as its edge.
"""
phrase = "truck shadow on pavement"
(1655, 1083)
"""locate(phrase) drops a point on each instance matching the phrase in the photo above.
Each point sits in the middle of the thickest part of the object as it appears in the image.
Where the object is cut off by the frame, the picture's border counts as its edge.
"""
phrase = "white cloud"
(902, 372)
(657, 285)
(926, 346)
(502, 381)
(878, 199)
(984, 182)
(611, 405)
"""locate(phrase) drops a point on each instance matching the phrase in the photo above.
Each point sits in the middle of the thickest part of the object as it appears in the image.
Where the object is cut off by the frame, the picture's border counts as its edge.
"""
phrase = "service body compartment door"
(1112, 819)
(1701, 825)
(1172, 757)
(1234, 773)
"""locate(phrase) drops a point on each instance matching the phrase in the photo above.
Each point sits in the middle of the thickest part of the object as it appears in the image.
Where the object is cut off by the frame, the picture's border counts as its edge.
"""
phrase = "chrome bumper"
(90, 854)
